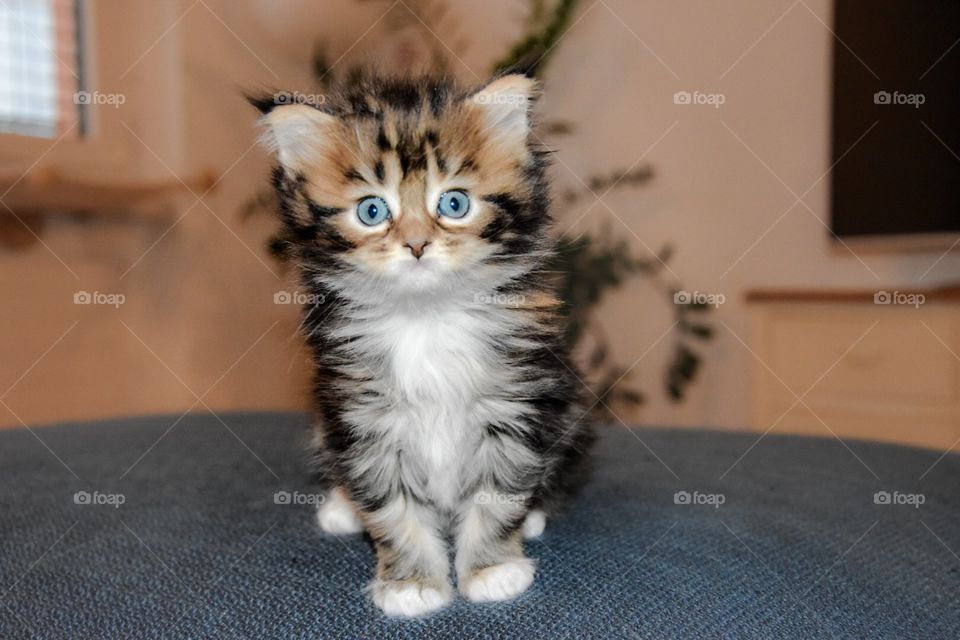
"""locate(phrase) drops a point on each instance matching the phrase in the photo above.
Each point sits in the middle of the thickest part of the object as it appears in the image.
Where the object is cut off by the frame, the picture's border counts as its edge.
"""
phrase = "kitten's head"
(411, 186)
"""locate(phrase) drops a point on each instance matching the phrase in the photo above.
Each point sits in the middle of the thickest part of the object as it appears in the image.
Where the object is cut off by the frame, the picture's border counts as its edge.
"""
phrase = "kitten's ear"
(297, 133)
(507, 103)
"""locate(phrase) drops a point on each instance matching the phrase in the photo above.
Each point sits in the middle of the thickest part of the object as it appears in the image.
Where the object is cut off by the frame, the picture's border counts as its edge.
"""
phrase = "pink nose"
(417, 247)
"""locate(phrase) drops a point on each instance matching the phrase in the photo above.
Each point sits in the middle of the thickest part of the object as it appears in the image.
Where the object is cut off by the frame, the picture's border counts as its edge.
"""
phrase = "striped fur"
(447, 400)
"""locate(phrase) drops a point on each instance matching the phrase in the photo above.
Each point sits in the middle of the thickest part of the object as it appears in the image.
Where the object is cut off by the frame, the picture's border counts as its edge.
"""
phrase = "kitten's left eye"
(454, 204)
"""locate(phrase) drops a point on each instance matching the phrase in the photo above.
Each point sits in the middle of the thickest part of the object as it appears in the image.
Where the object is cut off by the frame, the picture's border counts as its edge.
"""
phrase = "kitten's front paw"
(534, 524)
(409, 598)
(337, 516)
(499, 582)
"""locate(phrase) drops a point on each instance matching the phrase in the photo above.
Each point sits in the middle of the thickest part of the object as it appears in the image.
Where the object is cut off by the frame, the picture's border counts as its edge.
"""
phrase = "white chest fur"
(440, 365)
(441, 377)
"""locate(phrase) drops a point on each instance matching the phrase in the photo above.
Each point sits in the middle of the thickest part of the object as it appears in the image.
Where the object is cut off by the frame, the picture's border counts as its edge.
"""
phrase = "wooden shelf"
(45, 191)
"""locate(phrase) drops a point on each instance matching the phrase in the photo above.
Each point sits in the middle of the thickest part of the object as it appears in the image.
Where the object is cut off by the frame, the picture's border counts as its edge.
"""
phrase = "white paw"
(337, 516)
(408, 599)
(500, 582)
(534, 525)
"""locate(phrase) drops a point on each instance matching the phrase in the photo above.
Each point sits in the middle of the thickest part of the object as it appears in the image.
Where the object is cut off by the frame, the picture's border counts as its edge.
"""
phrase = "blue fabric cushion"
(788, 543)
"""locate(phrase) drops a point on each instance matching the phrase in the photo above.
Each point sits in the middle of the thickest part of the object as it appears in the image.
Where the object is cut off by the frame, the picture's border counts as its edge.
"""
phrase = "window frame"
(104, 147)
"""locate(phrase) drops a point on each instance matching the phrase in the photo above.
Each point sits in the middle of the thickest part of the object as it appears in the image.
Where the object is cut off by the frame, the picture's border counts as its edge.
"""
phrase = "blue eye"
(372, 211)
(454, 204)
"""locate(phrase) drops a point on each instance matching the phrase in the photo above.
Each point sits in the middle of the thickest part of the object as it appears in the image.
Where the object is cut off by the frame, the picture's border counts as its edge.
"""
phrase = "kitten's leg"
(337, 515)
(490, 561)
(412, 568)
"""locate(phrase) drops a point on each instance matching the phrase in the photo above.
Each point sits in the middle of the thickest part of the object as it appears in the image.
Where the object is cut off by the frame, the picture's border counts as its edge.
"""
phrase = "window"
(40, 70)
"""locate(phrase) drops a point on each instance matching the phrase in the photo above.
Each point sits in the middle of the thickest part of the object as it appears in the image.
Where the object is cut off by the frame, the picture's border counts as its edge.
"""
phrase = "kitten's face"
(413, 186)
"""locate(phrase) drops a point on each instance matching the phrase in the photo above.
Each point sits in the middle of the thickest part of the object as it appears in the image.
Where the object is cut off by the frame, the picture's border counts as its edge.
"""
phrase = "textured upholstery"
(200, 546)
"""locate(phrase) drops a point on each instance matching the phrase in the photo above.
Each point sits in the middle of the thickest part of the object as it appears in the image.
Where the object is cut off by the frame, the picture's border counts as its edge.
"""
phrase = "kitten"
(417, 212)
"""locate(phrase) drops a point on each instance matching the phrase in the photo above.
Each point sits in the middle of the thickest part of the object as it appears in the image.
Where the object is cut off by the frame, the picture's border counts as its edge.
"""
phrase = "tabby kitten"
(417, 212)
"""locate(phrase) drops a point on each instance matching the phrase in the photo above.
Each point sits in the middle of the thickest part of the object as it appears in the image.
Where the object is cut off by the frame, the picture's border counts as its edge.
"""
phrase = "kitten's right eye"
(372, 211)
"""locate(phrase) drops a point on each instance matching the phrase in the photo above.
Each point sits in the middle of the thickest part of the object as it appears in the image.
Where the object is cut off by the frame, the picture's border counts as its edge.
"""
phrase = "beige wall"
(201, 299)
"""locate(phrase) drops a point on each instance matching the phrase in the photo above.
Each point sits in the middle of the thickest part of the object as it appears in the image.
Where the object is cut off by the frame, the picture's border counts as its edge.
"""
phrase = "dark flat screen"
(896, 64)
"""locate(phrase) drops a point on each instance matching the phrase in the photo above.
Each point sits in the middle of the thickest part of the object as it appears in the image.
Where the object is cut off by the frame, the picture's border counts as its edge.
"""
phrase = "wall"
(200, 315)
(728, 208)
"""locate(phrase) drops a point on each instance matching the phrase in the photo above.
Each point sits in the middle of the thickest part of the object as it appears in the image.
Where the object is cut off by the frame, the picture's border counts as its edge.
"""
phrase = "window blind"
(39, 67)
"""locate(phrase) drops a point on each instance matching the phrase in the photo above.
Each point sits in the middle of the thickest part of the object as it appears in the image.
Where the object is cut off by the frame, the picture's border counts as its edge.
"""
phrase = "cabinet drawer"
(857, 354)
(902, 427)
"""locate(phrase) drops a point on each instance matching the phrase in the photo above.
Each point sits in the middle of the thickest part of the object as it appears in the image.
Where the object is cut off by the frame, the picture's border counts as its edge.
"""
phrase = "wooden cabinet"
(864, 365)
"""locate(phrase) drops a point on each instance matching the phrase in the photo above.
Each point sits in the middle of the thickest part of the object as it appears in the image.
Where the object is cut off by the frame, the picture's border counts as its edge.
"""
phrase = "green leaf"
(320, 67)
(687, 363)
(599, 356)
(675, 390)
(630, 396)
(700, 331)
(534, 49)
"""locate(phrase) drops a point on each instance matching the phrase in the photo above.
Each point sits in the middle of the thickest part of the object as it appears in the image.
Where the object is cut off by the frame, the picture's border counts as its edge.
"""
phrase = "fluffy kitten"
(417, 212)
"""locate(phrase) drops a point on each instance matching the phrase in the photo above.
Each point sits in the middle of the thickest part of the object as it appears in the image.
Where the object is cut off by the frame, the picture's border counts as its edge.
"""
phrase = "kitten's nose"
(417, 247)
